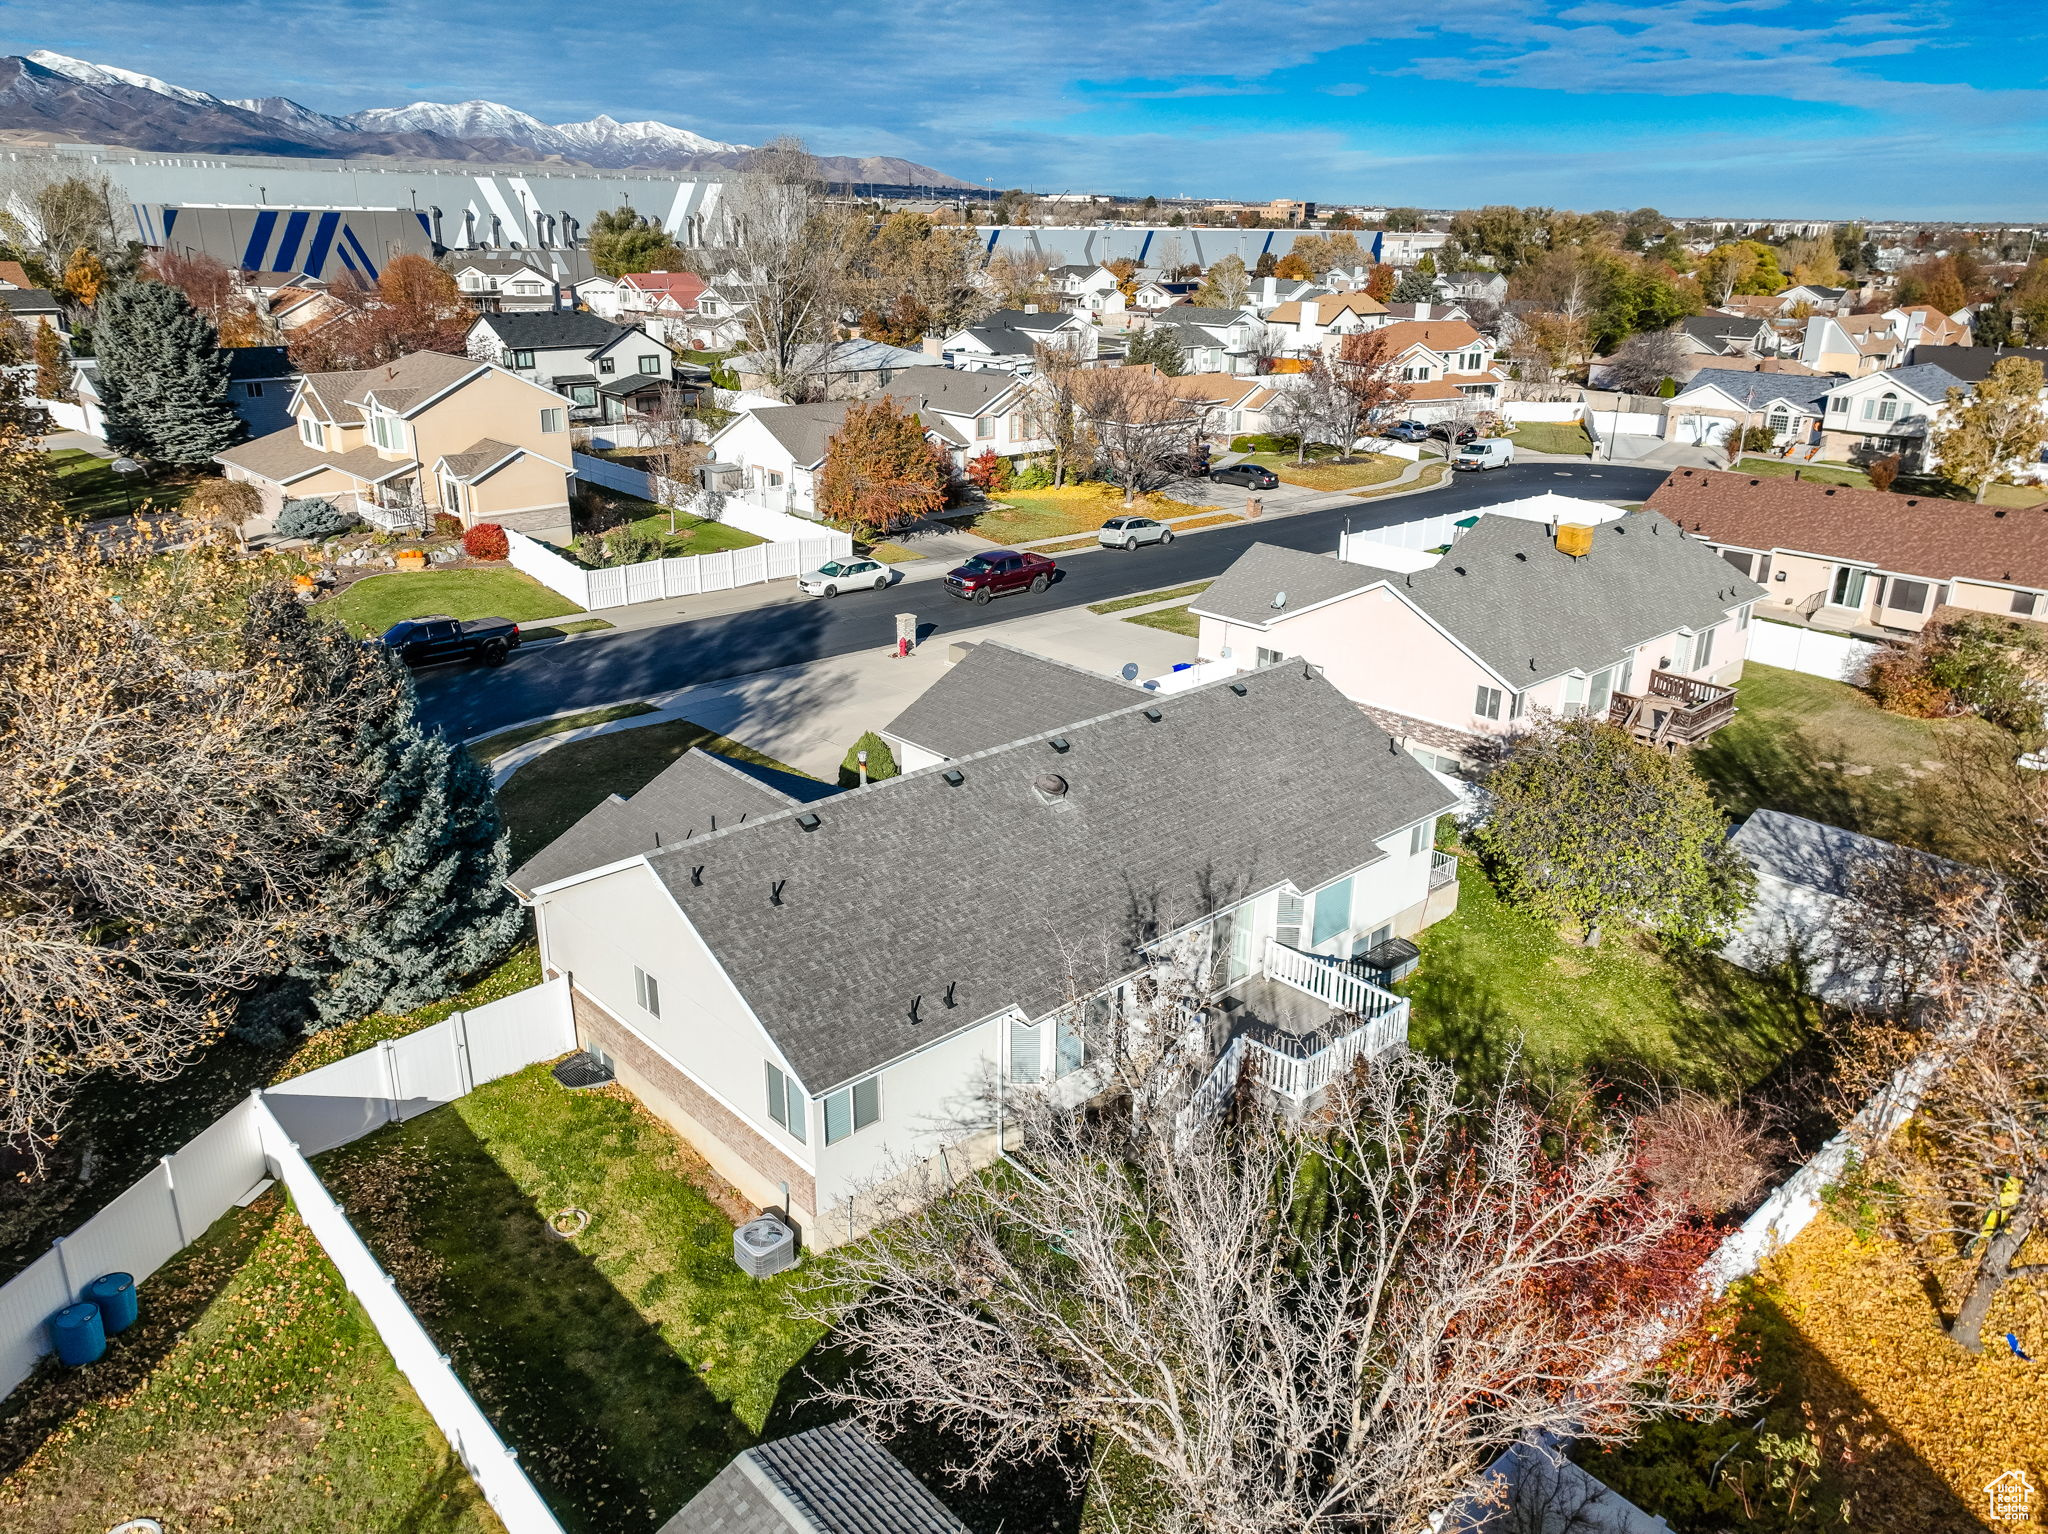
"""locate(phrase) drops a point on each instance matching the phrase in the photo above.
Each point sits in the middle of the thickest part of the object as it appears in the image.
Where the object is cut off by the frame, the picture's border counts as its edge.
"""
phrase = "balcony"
(1674, 713)
(1443, 869)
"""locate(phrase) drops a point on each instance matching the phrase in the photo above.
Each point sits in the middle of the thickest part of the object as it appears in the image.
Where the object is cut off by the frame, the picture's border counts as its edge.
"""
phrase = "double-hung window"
(1287, 920)
(1486, 703)
(853, 1108)
(786, 1102)
(1419, 837)
(651, 366)
(607, 365)
(647, 991)
(1702, 649)
(312, 433)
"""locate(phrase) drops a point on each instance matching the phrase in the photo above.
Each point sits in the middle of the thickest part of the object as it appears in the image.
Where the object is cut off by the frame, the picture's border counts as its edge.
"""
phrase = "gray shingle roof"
(1970, 364)
(1719, 329)
(1507, 595)
(1245, 593)
(1023, 319)
(690, 796)
(554, 330)
(913, 885)
(1188, 314)
(1009, 343)
(950, 389)
(830, 1480)
(803, 430)
(1756, 390)
(1924, 379)
(997, 694)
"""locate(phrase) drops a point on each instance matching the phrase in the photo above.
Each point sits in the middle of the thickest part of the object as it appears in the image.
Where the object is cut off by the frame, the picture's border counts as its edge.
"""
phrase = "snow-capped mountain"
(58, 96)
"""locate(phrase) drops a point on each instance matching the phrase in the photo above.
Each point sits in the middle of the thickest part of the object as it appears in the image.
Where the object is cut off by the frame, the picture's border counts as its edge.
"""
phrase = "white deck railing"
(1328, 981)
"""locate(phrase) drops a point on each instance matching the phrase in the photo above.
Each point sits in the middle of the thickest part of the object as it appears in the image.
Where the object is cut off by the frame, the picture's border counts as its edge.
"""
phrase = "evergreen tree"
(163, 379)
(1416, 287)
(1157, 347)
(423, 850)
(623, 241)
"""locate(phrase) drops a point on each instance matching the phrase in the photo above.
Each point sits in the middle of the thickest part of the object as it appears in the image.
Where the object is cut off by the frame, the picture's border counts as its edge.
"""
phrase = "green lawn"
(492, 746)
(627, 1364)
(1552, 437)
(552, 792)
(1370, 470)
(1175, 620)
(91, 488)
(692, 535)
(1906, 484)
(253, 1394)
(371, 606)
(1021, 516)
(1825, 750)
(1145, 598)
(1492, 977)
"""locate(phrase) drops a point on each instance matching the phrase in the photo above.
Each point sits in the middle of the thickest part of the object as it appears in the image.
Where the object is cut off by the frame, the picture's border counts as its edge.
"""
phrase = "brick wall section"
(735, 1151)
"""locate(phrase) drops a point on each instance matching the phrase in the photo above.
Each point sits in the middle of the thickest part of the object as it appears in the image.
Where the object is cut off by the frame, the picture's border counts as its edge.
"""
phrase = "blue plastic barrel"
(80, 1337)
(114, 1293)
(1183, 665)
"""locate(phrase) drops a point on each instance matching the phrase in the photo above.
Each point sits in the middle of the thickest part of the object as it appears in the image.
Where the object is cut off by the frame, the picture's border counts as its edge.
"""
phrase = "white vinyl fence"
(269, 1136)
(1520, 410)
(1836, 656)
(623, 585)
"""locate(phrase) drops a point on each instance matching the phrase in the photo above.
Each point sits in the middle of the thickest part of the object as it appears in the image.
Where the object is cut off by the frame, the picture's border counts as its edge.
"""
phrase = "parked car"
(1129, 532)
(1406, 431)
(1253, 476)
(1486, 453)
(439, 639)
(837, 575)
(999, 573)
(1445, 433)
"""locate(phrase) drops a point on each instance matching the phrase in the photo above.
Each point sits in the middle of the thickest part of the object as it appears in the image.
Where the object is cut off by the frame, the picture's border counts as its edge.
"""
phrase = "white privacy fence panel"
(217, 1167)
(493, 1466)
(530, 557)
(1627, 423)
(1836, 656)
(1519, 410)
(27, 1301)
(511, 1034)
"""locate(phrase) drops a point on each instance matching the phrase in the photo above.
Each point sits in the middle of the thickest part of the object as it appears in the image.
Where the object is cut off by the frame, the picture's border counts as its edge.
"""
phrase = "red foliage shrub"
(486, 540)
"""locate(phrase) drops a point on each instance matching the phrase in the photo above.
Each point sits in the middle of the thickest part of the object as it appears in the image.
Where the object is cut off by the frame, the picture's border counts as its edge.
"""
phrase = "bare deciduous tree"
(1144, 432)
(1300, 1327)
(1644, 361)
(1054, 406)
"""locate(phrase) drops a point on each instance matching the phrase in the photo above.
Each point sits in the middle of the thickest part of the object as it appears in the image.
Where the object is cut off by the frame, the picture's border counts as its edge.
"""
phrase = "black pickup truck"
(439, 639)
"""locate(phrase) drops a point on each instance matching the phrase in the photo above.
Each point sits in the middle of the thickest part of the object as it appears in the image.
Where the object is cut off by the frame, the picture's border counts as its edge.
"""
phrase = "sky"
(1758, 108)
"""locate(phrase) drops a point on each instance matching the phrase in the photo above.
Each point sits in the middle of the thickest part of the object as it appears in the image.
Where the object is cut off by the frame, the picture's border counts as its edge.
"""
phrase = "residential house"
(1215, 340)
(605, 370)
(509, 282)
(1687, 368)
(1153, 294)
(1817, 297)
(1973, 364)
(772, 454)
(291, 300)
(428, 433)
(260, 384)
(1442, 365)
(1883, 413)
(830, 1480)
(1852, 343)
(597, 293)
(850, 369)
(717, 323)
(1307, 327)
(14, 277)
(1719, 400)
(1727, 335)
(1925, 325)
(1832, 557)
(1082, 286)
(1268, 293)
(1628, 620)
(1009, 339)
(968, 414)
(1231, 403)
(834, 997)
(995, 694)
(31, 307)
(1433, 311)
(665, 304)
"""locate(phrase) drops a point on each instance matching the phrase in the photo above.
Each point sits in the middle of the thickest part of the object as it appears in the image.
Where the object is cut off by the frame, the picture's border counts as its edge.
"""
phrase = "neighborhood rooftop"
(1914, 535)
(830, 1480)
(997, 693)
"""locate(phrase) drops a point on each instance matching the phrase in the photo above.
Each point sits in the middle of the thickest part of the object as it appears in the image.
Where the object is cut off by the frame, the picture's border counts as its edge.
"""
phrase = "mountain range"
(48, 96)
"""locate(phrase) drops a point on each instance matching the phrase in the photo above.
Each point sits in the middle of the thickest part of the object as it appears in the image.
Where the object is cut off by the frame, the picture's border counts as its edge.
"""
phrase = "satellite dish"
(1279, 600)
(1130, 671)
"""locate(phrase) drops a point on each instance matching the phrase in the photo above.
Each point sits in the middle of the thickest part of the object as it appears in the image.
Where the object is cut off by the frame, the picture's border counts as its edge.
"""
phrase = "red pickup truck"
(999, 573)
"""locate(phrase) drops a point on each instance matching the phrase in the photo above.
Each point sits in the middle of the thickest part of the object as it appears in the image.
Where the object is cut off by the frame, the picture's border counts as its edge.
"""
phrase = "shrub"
(1899, 681)
(1712, 1154)
(313, 518)
(447, 525)
(630, 546)
(487, 541)
(989, 472)
(1988, 665)
(1035, 475)
(881, 761)
(1882, 471)
(1266, 442)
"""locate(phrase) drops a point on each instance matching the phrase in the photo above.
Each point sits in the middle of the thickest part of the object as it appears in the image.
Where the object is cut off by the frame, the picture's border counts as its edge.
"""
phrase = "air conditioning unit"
(764, 1247)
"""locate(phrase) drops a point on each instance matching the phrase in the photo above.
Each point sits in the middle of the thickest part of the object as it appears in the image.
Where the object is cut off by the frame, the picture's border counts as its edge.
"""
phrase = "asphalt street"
(637, 663)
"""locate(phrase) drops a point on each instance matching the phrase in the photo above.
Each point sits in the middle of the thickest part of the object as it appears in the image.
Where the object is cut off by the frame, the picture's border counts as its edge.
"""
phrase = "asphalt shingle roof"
(1011, 343)
(830, 1480)
(999, 895)
(554, 330)
(950, 390)
(1967, 364)
(1930, 382)
(478, 456)
(1753, 391)
(1505, 592)
(1902, 534)
(803, 430)
(997, 694)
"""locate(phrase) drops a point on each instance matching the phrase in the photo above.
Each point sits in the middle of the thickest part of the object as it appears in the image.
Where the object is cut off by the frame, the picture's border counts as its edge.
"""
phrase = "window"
(312, 433)
(518, 359)
(2026, 603)
(1837, 404)
(607, 364)
(551, 419)
(852, 1109)
(253, 390)
(1599, 692)
(1777, 421)
(1848, 588)
(1332, 914)
(1742, 617)
(1703, 649)
(387, 432)
(1420, 837)
(1027, 1051)
(646, 991)
(1907, 596)
(583, 394)
(785, 1102)
(651, 366)
(1574, 696)
(1070, 1044)
(1271, 657)
(1287, 920)
(1486, 703)
(984, 427)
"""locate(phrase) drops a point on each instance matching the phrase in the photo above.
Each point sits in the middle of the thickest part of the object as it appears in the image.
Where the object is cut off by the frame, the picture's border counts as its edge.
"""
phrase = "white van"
(1484, 453)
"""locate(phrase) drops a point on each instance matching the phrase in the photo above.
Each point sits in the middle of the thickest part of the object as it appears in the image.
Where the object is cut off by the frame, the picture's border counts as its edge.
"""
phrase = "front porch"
(1674, 712)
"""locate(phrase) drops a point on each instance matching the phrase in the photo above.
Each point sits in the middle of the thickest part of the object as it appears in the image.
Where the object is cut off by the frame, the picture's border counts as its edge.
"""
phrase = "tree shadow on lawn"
(614, 1426)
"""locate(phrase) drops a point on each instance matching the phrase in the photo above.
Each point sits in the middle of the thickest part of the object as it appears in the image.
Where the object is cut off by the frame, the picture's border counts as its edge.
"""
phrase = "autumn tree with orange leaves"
(880, 473)
(414, 307)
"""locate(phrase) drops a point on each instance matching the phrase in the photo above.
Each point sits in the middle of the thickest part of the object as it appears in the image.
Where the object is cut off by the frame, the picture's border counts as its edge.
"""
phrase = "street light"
(127, 469)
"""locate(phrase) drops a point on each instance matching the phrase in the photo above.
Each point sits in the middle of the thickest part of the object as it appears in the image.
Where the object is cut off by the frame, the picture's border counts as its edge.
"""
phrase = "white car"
(837, 575)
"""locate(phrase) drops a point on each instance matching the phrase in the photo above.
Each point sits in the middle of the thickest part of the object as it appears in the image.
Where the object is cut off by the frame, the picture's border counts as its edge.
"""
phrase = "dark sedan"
(1445, 433)
(1251, 475)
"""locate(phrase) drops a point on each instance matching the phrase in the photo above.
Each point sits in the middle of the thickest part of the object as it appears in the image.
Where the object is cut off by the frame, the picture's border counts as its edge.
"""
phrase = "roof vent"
(1154, 715)
(1999, 512)
(697, 874)
(1913, 502)
(951, 986)
(1523, 557)
(1051, 784)
(1240, 689)
(1756, 482)
(1830, 490)
(1060, 743)
(954, 777)
(775, 892)
(809, 822)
